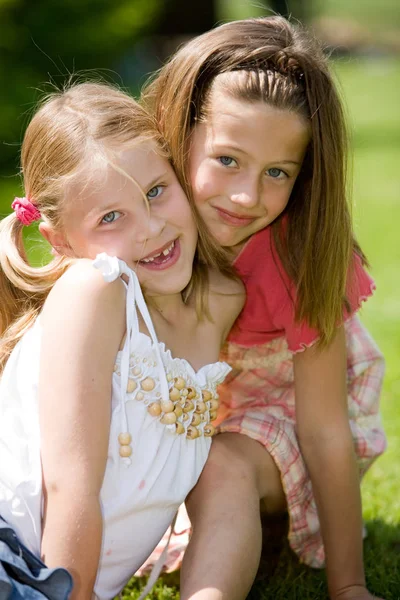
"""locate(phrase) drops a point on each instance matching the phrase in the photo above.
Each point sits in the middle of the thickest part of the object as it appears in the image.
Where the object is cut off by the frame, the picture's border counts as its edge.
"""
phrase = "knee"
(227, 485)
(241, 466)
(228, 464)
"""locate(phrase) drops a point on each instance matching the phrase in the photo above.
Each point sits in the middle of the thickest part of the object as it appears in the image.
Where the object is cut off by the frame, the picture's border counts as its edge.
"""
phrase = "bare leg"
(223, 554)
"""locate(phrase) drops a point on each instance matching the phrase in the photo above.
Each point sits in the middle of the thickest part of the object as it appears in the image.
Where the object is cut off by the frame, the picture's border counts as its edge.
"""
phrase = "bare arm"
(327, 446)
(83, 323)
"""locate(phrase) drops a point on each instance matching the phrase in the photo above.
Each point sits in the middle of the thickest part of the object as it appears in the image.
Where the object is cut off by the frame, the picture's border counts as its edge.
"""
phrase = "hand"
(354, 592)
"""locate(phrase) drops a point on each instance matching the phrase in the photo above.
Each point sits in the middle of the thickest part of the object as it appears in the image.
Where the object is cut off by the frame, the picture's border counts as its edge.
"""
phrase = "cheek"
(80, 242)
(205, 184)
(277, 198)
(179, 208)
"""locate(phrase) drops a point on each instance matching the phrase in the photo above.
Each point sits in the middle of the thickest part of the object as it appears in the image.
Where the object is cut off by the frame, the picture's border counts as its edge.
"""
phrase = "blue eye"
(111, 216)
(275, 173)
(155, 191)
(227, 161)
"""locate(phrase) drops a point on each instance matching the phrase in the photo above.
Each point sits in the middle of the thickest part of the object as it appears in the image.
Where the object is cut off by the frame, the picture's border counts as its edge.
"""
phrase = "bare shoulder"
(83, 286)
(226, 299)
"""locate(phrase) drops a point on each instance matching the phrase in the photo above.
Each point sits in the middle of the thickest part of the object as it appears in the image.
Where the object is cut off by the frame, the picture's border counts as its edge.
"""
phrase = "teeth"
(164, 252)
(168, 250)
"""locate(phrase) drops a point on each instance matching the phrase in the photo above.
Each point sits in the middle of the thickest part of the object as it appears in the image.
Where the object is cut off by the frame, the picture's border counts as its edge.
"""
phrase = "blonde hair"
(271, 60)
(64, 141)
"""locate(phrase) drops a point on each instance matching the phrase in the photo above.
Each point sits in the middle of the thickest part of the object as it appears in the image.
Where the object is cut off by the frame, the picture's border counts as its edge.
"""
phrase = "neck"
(236, 250)
(169, 308)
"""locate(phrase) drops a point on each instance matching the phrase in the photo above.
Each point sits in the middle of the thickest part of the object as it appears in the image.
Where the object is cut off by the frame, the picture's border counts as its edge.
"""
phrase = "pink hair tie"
(25, 210)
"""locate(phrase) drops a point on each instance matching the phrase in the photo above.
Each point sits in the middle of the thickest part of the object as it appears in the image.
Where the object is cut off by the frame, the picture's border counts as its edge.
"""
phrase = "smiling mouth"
(233, 218)
(167, 257)
(161, 254)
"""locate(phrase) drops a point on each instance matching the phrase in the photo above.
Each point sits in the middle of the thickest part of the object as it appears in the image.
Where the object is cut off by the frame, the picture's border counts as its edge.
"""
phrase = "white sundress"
(161, 402)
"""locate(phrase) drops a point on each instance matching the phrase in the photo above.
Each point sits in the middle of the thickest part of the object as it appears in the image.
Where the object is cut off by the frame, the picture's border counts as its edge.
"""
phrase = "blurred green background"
(124, 40)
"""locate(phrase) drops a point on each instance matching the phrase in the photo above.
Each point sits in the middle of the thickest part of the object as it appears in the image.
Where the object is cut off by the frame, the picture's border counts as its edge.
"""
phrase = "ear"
(56, 239)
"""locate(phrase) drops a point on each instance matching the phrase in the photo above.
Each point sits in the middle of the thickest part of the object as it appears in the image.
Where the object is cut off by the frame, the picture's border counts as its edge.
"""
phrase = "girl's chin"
(164, 286)
(229, 241)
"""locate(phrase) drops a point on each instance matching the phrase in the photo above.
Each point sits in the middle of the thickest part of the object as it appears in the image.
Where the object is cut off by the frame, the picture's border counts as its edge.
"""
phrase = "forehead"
(242, 122)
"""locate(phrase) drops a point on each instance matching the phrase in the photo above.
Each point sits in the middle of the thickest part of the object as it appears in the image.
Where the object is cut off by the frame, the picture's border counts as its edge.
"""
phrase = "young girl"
(103, 429)
(257, 134)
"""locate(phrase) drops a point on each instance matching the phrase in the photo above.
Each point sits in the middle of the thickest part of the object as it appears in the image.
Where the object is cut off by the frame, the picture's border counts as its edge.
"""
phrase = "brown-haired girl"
(103, 429)
(256, 131)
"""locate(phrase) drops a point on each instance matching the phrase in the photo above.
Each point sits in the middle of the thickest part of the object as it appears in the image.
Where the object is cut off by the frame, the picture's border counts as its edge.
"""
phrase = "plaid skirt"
(257, 400)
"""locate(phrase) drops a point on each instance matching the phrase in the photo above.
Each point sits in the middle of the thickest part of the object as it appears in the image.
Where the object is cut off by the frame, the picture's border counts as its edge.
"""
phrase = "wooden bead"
(191, 393)
(148, 384)
(180, 383)
(125, 439)
(167, 406)
(192, 432)
(207, 395)
(139, 396)
(169, 377)
(200, 408)
(125, 451)
(154, 409)
(188, 406)
(168, 419)
(213, 415)
(196, 420)
(136, 371)
(214, 404)
(178, 410)
(174, 394)
(131, 387)
(209, 430)
(185, 417)
(184, 392)
(179, 428)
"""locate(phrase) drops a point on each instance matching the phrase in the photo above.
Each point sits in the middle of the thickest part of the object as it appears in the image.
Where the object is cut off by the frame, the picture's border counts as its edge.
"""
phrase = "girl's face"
(110, 215)
(243, 163)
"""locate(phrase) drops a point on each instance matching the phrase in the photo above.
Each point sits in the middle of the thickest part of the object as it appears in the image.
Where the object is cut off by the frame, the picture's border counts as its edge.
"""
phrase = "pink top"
(269, 311)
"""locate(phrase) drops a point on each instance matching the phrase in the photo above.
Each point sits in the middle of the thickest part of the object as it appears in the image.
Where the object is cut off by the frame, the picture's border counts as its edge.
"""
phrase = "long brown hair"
(272, 60)
(72, 131)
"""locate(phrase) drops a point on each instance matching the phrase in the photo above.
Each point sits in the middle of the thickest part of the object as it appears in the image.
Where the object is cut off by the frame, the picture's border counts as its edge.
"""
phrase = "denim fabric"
(23, 576)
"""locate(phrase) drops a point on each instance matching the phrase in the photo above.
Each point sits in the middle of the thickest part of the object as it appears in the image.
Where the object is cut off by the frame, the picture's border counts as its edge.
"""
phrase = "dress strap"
(112, 268)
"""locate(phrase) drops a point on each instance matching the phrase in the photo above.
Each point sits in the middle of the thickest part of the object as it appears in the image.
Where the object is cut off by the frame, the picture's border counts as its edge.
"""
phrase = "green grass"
(373, 15)
(372, 92)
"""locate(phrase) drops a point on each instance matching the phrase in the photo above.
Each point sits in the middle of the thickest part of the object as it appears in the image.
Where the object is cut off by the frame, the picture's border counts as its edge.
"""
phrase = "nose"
(151, 227)
(247, 196)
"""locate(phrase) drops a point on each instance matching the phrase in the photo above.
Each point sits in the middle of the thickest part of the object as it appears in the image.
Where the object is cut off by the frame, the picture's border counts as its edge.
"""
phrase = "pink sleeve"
(299, 335)
(360, 287)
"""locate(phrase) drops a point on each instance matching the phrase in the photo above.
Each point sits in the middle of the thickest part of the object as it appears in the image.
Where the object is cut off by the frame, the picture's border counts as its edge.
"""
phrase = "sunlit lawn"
(372, 90)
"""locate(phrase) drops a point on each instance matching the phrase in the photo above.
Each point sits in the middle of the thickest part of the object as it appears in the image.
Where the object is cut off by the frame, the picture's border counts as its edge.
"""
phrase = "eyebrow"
(156, 179)
(228, 147)
(287, 162)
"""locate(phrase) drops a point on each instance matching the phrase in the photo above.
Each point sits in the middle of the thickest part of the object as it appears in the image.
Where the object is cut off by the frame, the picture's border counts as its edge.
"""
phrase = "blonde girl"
(106, 403)
(257, 135)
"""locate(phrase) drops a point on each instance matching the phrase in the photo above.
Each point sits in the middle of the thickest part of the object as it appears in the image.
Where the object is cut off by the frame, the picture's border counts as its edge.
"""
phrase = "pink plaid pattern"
(257, 399)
